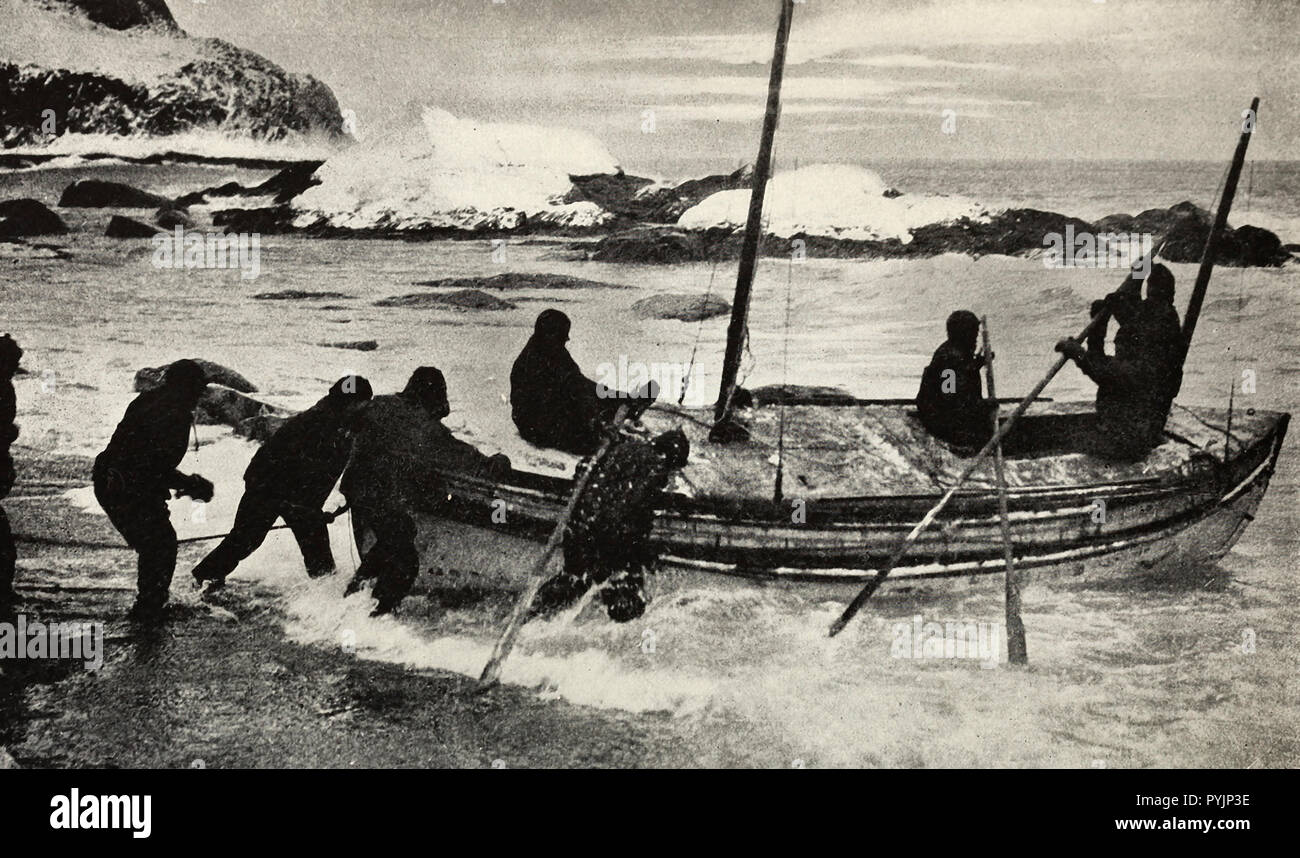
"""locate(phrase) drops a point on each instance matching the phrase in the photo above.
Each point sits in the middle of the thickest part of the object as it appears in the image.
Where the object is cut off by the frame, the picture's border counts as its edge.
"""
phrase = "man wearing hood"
(1164, 330)
(951, 401)
(553, 404)
(135, 474)
(291, 477)
(607, 540)
(1133, 385)
(10, 355)
(399, 448)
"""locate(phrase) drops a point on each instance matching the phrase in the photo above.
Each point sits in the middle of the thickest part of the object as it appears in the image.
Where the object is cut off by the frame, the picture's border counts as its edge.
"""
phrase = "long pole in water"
(1220, 223)
(1017, 651)
(500, 652)
(753, 225)
(871, 586)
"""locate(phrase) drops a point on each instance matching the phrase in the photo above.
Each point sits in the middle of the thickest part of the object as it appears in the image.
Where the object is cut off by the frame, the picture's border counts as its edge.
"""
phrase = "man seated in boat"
(399, 447)
(1133, 397)
(553, 404)
(951, 401)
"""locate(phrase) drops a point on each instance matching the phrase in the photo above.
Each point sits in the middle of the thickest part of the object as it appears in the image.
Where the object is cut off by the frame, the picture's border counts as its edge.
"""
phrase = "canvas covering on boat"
(861, 450)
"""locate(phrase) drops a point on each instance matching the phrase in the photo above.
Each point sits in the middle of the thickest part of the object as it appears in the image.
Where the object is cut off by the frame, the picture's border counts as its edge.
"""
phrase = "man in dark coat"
(1163, 329)
(290, 478)
(400, 445)
(607, 540)
(138, 469)
(1133, 396)
(10, 355)
(553, 404)
(950, 400)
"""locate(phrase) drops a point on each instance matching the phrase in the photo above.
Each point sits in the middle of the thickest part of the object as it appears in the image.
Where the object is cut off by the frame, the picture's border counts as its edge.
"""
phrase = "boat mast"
(736, 331)
(1220, 223)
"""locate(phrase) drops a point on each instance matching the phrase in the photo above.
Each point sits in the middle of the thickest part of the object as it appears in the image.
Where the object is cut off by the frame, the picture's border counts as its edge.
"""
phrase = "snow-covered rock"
(125, 69)
(459, 174)
(832, 200)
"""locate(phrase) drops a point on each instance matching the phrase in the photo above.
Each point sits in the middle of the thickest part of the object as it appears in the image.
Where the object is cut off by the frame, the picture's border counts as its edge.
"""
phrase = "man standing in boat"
(291, 477)
(399, 447)
(553, 404)
(1164, 330)
(951, 401)
(1135, 385)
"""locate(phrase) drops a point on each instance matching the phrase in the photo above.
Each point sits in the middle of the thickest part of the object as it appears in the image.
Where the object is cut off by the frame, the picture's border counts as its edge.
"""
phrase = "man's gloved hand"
(198, 488)
(1070, 349)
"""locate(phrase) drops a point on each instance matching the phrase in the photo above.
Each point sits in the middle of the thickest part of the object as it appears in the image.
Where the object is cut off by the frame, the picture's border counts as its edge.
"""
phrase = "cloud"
(934, 25)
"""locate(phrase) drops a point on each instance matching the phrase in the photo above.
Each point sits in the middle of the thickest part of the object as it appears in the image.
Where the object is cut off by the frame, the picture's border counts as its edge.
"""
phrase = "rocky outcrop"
(186, 84)
(126, 14)
(516, 280)
(684, 308)
(150, 377)
(125, 227)
(98, 194)
(297, 295)
(638, 199)
(1185, 228)
(169, 218)
(221, 406)
(225, 402)
(29, 217)
(463, 299)
(282, 187)
(1014, 232)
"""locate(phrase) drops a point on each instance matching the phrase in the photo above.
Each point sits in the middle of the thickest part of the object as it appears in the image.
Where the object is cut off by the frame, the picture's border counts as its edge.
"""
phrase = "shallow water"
(1142, 673)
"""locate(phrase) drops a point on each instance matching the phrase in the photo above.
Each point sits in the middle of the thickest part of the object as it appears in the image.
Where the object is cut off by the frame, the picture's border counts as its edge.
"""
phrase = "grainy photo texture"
(670, 383)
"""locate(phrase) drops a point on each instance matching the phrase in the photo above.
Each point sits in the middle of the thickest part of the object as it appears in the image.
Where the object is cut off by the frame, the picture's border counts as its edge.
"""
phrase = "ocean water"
(1144, 673)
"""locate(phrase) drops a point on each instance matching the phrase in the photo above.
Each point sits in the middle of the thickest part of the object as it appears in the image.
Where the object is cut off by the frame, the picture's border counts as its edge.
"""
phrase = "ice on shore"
(835, 200)
(456, 173)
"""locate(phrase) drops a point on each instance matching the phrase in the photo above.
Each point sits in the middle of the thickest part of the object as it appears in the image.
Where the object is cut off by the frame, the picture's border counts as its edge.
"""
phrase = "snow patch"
(834, 200)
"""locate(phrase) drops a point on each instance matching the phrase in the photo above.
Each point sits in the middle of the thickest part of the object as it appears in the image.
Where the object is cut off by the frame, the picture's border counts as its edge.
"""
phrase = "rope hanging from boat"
(1241, 301)
(699, 329)
(777, 492)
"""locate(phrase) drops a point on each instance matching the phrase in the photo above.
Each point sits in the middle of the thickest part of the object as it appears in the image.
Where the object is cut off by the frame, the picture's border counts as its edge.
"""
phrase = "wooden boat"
(853, 477)
(1183, 506)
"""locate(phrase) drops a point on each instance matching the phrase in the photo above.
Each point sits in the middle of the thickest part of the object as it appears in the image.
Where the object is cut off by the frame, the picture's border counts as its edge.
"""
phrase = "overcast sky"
(868, 79)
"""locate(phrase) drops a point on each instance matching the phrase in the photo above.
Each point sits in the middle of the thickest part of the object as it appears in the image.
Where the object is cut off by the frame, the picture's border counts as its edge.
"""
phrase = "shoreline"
(222, 686)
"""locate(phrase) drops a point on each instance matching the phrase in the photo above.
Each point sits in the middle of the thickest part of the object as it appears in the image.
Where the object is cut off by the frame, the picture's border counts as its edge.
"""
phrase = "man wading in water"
(608, 539)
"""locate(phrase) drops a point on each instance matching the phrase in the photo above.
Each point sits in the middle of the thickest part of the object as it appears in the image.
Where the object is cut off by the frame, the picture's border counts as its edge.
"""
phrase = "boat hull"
(490, 535)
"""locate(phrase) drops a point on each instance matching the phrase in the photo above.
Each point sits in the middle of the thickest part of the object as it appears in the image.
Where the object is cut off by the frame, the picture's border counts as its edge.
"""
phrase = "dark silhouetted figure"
(607, 540)
(399, 447)
(553, 404)
(10, 355)
(1133, 395)
(1163, 330)
(950, 401)
(134, 474)
(291, 477)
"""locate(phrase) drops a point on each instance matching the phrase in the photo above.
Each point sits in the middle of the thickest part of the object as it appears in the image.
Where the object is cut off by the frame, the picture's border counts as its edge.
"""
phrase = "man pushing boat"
(399, 447)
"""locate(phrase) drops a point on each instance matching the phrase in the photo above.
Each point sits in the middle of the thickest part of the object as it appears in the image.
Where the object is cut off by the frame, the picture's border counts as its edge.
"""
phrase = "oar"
(874, 583)
(1017, 652)
(500, 652)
